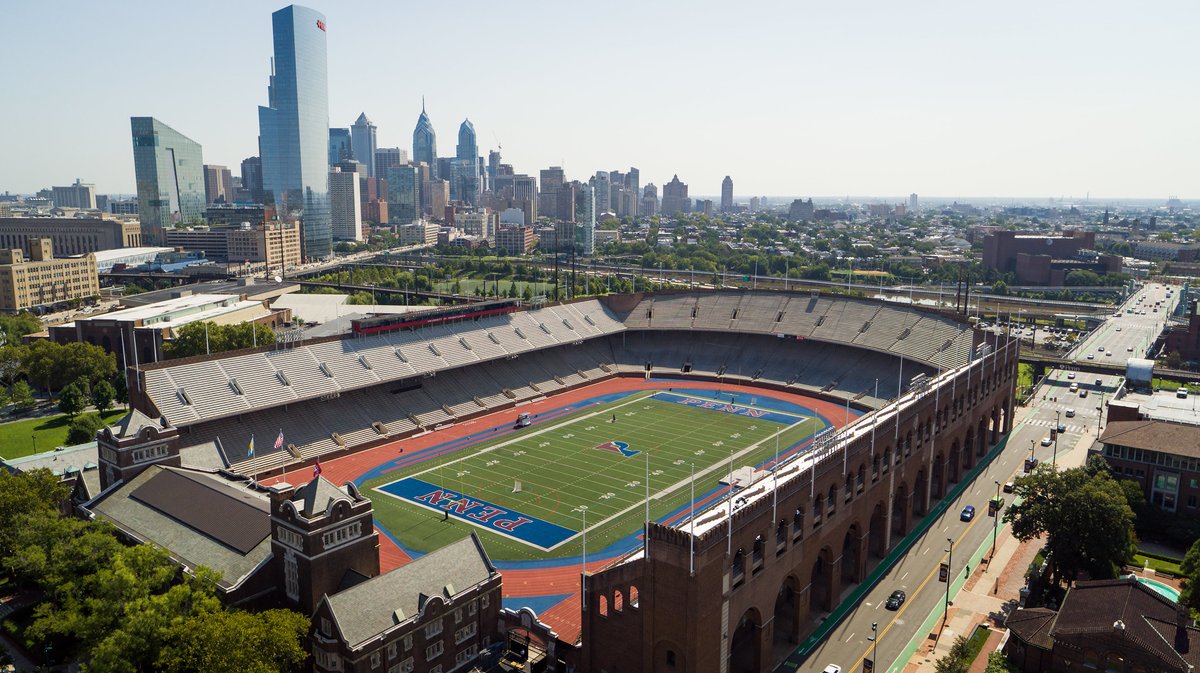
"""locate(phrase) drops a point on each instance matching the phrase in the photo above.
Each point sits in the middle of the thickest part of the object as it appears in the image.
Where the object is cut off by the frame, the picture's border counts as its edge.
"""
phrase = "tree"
(83, 428)
(72, 399)
(1000, 288)
(998, 663)
(103, 394)
(22, 495)
(234, 640)
(1082, 278)
(1086, 518)
(1190, 567)
(12, 362)
(22, 395)
(957, 660)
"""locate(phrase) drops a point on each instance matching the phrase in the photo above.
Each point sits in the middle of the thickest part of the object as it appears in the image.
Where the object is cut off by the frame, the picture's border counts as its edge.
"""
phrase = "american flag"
(279, 440)
(317, 469)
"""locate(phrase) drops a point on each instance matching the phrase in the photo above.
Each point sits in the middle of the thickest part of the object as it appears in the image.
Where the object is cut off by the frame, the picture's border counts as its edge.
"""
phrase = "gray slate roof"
(315, 496)
(132, 423)
(372, 607)
(184, 543)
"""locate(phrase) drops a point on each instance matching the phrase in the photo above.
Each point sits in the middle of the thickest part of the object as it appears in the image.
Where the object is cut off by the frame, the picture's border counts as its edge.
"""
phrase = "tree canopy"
(1084, 514)
(199, 338)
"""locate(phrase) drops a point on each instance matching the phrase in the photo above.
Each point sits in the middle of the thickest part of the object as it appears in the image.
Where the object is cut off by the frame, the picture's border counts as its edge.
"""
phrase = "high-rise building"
(438, 197)
(493, 164)
(675, 197)
(588, 242)
(169, 169)
(252, 178)
(754, 204)
(388, 157)
(603, 190)
(345, 204)
(43, 280)
(913, 205)
(363, 139)
(649, 206)
(425, 142)
(218, 184)
(727, 194)
(525, 196)
(403, 194)
(464, 180)
(294, 126)
(79, 195)
(339, 146)
(633, 182)
(467, 147)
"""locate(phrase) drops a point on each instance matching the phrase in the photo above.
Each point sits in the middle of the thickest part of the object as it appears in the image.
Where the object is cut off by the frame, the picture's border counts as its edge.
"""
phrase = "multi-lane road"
(916, 573)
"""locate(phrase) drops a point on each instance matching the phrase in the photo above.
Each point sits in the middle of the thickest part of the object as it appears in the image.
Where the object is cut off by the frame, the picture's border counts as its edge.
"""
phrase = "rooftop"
(1165, 406)
(253, 288)
(180, 310)
(1173, 438)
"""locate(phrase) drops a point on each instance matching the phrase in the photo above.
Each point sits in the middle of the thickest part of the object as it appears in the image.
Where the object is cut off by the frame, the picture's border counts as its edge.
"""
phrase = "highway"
(1130, 332)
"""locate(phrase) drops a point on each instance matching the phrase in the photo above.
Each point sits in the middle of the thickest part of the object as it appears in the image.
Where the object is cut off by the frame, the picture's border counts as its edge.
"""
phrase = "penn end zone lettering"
(501, 520)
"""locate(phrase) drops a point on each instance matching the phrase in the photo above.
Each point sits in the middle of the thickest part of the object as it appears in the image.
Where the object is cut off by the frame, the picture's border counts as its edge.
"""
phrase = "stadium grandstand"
(338, 394)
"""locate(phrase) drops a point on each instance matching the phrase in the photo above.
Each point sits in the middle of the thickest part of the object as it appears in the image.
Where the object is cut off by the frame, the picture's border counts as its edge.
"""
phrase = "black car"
(895, 600)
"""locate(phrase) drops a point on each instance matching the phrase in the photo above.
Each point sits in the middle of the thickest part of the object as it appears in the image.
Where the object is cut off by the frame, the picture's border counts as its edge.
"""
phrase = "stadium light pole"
(583, 582)
(1054, 455)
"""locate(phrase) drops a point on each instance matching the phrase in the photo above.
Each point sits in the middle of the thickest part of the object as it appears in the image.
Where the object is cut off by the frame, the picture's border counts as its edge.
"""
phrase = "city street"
(1132, 328)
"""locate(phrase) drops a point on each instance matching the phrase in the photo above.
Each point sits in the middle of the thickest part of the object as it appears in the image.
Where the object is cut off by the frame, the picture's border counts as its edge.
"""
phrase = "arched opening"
(939, 469)
(850, 555)
(919, 493)
(633, 596)
(820, 583)
(668, 657)
(952, 466)
(618, 601)
(875, 533)
(861, 481)
(832, 501)
(602, 606)
(744, 646)
(968, 458)
(900, 511)
(786, 625)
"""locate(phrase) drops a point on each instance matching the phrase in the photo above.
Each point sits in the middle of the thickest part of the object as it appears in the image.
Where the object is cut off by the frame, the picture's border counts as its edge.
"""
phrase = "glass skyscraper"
(339, 146)
(169, 169)
(294, 126)
(364, 143)
(467, 147)
(404, 194)
(425, 142)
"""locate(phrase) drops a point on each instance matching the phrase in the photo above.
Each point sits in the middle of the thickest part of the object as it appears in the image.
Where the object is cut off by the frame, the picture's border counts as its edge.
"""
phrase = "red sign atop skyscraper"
(321, 25)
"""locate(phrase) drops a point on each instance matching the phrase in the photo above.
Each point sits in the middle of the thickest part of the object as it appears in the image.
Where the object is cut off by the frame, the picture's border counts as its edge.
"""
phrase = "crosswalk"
(1038, 422)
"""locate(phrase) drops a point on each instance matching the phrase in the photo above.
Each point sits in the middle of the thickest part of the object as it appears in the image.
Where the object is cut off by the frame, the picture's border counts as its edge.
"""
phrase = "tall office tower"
(603, 190)
(169, 169)
(675, 197)
(464, 181)
(633, 180)
(403, 194)
(79, 195)
(493, 162)
(252, 178)
(345, 203)
(437, 193)
(754, 204)
(525, 195)
(649, 206)
(388, 157)
(467, 147)
(441, 168)
(294, 126)
(339, 146)
(551, 180)
(913, 205)
(363, 142)
(727, 194)
(425, 141)
(218, 184)
(588, 243)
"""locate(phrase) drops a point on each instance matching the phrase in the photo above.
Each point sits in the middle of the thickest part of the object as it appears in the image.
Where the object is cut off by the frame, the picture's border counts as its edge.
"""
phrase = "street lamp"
(583, 599)
(1031, 449)
(995, 524)
(949, 578)
(874, 640)
(1057, 432)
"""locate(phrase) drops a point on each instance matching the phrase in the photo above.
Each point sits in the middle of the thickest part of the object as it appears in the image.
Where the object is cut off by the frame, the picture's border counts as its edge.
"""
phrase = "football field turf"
(526, 491)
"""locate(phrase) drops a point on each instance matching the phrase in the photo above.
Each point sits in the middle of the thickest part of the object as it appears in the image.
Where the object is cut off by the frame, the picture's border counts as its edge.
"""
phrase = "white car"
(1046, 441)
(1091, 356)
(1070, 413)
(1070, 375)
(832, 668)
(1129, 349)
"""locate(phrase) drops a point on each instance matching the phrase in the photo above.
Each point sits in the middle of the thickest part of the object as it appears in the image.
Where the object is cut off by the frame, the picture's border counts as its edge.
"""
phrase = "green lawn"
(1157, 563)
(17, 438)
(560, 469)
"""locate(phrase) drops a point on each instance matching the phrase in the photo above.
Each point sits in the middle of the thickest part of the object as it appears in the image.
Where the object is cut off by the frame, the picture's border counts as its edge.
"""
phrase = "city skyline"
(942, 101)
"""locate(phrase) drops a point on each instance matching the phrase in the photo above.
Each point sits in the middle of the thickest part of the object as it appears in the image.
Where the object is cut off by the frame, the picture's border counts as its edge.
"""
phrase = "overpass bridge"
(1102, 368)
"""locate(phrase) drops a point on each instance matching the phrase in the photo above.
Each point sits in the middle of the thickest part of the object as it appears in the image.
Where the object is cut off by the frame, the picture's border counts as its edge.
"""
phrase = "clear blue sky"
(817, 98)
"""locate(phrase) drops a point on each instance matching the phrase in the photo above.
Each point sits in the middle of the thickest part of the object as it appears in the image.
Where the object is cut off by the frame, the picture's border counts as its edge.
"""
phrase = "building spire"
(422, 103)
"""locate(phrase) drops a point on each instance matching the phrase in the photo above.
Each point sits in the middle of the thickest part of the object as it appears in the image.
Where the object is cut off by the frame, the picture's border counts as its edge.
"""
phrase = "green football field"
(595, 458)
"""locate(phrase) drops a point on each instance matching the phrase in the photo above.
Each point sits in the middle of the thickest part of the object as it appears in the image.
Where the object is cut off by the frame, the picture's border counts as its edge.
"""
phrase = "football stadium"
(749, 456)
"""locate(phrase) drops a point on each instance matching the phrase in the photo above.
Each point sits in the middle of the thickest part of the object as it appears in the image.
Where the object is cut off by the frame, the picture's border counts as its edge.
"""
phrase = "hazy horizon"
(1062, 100)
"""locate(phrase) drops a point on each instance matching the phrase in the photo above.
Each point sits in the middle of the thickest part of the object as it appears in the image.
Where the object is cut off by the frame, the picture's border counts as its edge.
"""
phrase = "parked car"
(895, 600)
(967, 514)
(832, 668)
(1009, 486)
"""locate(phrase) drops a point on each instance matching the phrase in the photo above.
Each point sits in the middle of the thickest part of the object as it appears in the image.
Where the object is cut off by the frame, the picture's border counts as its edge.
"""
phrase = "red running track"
(565, 579)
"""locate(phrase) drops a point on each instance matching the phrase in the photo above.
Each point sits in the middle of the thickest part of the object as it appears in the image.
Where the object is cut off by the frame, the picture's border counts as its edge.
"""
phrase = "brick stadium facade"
(719, 602)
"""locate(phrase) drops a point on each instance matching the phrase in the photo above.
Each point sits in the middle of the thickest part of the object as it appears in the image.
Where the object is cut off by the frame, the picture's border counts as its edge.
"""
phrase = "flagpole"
(775, 488)
(729, 543)
(646, 534)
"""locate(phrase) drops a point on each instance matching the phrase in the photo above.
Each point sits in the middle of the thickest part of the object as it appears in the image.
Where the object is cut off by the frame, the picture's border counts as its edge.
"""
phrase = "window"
(433, 629)
(290, 538)
(342, 535)
(392, 652)
(466, 655)
(434, 651)
(458, 615)
(436, 669)
(466, 633)
(472, 608)
(408, 642)
(405, 666)
(326, 627)
(670, 657)
(375, 659)
(483, 602)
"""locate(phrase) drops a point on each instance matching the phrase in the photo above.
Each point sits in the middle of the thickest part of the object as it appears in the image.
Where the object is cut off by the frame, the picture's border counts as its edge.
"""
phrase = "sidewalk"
(992, 590)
